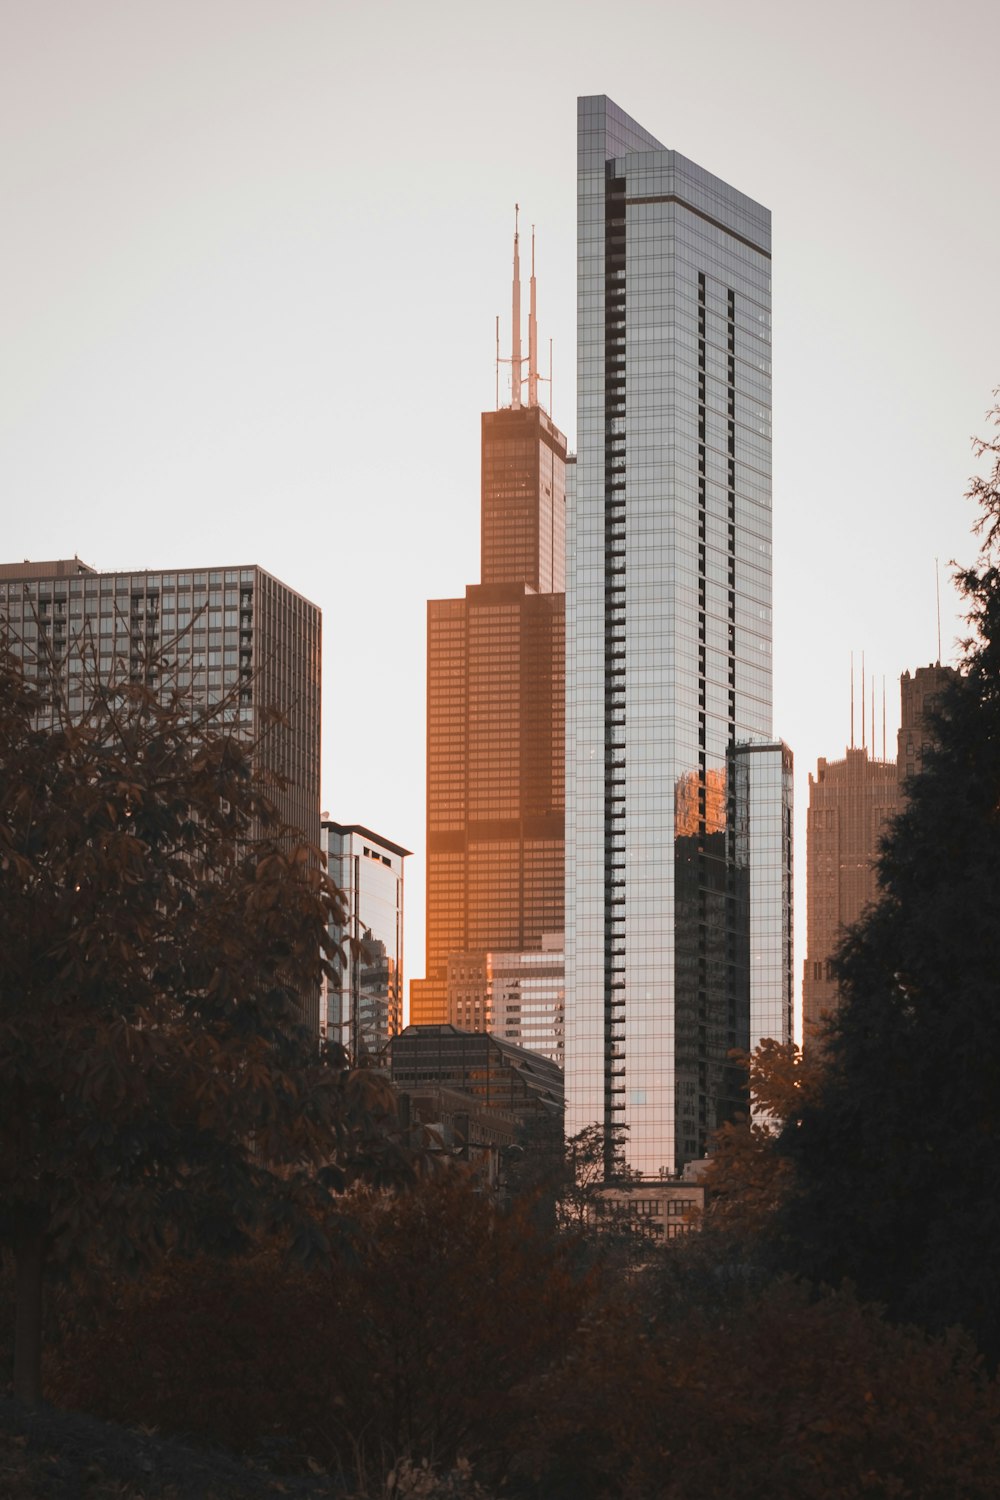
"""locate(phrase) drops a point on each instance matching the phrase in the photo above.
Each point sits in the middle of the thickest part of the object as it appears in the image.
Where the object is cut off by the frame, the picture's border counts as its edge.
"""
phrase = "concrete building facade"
(364, 1008)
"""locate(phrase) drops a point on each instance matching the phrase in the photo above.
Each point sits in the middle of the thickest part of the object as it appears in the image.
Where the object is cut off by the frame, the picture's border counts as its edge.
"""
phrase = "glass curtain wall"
(668, 638)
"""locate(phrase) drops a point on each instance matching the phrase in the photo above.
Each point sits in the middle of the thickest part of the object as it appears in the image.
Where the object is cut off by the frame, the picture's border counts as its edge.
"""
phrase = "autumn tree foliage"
(752, 1395)
(418, 1345)
(748, 1179)
(158, 931)
(896, 1164)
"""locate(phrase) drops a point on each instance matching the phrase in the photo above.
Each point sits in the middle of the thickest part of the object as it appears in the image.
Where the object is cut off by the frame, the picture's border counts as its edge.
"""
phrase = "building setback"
(495, 707)
(238, 641)
(678, 819)
(520, 997)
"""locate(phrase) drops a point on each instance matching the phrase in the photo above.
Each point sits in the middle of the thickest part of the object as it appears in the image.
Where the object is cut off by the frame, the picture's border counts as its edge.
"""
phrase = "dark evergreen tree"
(898, 1166)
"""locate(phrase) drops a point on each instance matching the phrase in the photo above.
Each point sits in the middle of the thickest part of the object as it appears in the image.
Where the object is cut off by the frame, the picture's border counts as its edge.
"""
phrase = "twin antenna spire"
(516, 360)
(864, 743)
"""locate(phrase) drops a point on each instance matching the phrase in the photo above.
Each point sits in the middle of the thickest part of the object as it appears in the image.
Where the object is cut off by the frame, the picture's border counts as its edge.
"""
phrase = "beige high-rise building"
(495, 706)
(916, 696)
(850, 802)
(236, 640)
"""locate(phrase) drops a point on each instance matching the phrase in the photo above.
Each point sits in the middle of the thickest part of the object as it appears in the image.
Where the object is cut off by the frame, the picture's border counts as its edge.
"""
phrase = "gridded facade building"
(495, 716)
(520, 997)
(495, 1073)
(669, 654)
(365, 1007)
(235, 639)
(850, 803)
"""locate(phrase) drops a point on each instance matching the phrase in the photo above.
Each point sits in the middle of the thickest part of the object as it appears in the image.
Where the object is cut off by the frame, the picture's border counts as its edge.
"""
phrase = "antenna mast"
(862, 700)
(937, 590)
(532, 332)
(852, 700)
(498, 362)
(515, 320)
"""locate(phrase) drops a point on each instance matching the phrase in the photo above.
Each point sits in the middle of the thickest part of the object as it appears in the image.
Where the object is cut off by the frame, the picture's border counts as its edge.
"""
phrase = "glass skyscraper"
(678, 803)
(363, 1008)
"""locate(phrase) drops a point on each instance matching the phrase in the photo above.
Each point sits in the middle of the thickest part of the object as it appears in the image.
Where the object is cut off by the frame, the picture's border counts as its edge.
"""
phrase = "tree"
(158, 931)
(418, 1348)
(897, 1169)
(748, 1179)
(776, 1393)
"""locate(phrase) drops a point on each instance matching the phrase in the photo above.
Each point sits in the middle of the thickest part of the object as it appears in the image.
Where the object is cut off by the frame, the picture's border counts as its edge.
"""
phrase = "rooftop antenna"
(498, 362)
(874, 744)
(550, 377)
(937, 590)
(852, 700)
(532, 332)
(515, 319)
(862, 700)
(883, 716)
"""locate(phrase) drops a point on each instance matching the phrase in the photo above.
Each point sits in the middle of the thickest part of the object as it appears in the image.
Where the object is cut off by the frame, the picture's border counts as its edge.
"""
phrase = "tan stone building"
(917, 695)
(850, 802)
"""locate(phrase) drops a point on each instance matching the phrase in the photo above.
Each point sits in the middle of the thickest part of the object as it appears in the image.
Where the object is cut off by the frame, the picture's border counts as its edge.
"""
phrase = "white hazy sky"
(251, 252)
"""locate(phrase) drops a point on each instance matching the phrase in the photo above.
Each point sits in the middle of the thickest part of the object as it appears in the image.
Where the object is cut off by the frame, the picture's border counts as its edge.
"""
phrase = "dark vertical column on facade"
(615, 461)
(711, 973)
(732, 1094)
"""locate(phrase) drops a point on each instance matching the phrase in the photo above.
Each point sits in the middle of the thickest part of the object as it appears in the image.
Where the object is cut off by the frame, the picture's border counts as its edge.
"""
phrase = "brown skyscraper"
(850, 801)
(495, 705)
(916, 696)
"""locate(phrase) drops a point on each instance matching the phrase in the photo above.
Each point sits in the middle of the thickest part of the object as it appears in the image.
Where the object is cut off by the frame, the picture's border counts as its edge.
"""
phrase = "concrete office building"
(495, 703)
(678, 826)
(237, 640)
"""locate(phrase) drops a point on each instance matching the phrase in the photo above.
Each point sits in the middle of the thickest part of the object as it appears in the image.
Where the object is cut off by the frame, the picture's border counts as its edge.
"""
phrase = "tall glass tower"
(678, 824)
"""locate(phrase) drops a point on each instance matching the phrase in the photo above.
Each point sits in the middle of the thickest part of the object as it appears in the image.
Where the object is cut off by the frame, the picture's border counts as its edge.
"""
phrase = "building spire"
(532, 332)
(515, 320)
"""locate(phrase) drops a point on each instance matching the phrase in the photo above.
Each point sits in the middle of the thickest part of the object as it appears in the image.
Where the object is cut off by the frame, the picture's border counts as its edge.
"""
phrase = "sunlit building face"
(678, 832)
(496, 709)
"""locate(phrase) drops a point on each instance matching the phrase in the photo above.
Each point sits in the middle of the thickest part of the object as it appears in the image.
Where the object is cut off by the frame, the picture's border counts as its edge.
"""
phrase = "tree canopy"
(897, 1182)
(159, 932)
